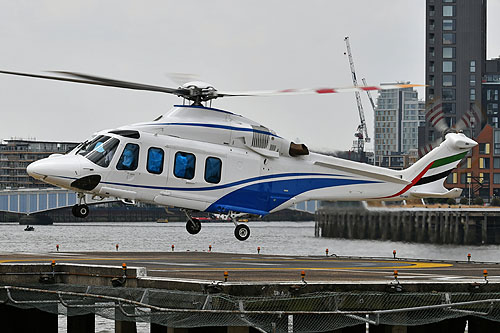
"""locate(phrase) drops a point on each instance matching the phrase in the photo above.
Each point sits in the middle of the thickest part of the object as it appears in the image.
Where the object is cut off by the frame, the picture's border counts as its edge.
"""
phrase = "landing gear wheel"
(74, 210)
(193, 226)
(242, 232)
(81, 211)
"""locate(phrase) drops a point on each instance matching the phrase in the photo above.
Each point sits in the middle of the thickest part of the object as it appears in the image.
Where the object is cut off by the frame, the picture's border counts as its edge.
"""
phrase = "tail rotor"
(436, 117)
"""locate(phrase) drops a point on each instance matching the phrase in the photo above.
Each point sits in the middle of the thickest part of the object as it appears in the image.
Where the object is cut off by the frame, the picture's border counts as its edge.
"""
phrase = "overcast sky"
(235, 45)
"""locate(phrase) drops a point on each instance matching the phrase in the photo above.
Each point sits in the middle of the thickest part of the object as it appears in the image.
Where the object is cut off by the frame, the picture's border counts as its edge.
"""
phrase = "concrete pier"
(444, 225)
(186, 292)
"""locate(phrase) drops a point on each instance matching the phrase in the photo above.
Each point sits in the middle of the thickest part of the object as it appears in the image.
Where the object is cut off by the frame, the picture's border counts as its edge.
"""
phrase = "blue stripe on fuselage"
(263, 197)
(226, 127)
(205, 108)
(218, 187)
(259, 198)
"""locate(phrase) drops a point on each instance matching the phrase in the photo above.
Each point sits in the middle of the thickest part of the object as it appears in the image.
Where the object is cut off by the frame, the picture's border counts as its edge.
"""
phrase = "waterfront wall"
(437, 226)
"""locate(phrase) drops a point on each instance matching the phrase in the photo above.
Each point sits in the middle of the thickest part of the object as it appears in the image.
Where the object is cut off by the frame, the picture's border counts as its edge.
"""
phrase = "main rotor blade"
(100, 81)
(314, 91)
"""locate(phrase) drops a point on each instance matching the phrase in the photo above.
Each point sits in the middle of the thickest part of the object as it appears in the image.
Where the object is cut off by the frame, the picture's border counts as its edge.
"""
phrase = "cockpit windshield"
(100, 150)
(87, 146)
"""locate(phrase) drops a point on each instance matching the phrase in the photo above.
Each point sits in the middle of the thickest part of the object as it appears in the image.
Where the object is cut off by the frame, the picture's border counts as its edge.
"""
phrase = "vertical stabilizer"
(427, 175)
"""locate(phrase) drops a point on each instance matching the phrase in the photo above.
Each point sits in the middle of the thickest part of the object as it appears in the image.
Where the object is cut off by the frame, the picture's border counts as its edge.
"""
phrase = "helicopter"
(200, 158)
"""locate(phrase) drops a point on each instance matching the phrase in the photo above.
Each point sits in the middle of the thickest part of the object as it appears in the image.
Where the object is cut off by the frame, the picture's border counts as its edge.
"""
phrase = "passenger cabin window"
(213, 168)
(184, 165)
(129, 158)
(101, 150)
(155, 160)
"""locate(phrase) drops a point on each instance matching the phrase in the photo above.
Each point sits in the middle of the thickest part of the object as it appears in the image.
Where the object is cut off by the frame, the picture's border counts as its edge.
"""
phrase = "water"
(281, 238)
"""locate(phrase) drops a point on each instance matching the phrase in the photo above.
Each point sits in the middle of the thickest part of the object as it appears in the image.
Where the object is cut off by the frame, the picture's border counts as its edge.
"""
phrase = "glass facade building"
(397, 117)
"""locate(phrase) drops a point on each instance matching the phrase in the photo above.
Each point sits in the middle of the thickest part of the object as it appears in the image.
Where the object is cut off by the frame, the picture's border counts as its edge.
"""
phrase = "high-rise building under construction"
(455, 66)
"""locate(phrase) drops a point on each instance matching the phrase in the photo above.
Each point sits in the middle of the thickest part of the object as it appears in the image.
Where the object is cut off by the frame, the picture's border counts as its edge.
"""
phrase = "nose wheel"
(81, 211)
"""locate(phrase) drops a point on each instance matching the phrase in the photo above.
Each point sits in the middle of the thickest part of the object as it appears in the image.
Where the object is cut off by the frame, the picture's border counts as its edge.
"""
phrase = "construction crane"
(369, 97)
(362, 131)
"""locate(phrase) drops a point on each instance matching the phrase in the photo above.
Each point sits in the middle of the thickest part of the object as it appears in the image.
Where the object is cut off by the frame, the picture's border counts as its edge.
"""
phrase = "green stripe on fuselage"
(447, 160)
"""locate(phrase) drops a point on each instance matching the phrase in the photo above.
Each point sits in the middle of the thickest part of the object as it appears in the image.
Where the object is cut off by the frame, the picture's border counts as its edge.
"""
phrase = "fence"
(305, 313)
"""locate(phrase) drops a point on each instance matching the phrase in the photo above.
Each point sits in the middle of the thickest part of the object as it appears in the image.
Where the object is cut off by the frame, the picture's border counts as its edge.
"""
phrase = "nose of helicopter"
(56, 169)
(38, 169)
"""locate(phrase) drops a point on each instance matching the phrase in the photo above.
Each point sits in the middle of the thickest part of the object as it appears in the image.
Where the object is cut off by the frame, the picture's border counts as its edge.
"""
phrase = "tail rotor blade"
(435, 116)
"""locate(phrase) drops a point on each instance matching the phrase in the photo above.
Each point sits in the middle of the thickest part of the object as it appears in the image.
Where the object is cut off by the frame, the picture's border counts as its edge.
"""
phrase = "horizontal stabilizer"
(453, 193)
(364, 173)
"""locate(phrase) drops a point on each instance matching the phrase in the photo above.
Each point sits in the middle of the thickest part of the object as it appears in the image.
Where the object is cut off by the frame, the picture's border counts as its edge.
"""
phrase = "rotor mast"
(362, 131)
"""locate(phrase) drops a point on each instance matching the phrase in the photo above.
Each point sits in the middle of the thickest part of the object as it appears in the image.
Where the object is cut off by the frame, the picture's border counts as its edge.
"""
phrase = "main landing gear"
(193, 225)
(81, 209)
(241, 232)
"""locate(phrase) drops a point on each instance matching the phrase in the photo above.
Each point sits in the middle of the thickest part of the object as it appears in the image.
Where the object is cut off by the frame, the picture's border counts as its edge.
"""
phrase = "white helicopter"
(205, 159)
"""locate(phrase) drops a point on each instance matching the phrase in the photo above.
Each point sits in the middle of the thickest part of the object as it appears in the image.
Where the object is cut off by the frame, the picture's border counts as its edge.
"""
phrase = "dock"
(439, 224)
(223, 292)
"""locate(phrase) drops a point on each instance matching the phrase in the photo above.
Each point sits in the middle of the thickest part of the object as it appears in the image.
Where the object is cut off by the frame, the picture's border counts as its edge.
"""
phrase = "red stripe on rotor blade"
(326, 91)
(288, 90)
(413, 182)
(434, 123)
(369, 88)
(432, 110)
(440, 113)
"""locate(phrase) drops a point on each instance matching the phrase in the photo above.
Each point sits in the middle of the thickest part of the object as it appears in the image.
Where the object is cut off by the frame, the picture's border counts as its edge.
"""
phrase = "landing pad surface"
(266, 268)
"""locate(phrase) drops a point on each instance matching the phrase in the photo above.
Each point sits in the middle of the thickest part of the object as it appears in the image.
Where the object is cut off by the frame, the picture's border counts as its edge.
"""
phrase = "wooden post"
(81, 323)
(466, 230)
(484, 230)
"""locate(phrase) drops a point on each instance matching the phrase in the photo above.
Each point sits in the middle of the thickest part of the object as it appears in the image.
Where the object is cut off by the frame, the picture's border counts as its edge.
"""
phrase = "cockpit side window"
(102, 152)
(155, 160)
(184, 165)
(129, 158)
